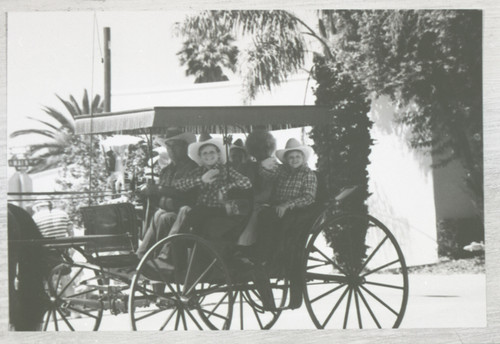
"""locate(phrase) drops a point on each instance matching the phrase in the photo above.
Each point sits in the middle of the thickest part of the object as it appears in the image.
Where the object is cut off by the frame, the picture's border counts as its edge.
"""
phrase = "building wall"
(402, 187)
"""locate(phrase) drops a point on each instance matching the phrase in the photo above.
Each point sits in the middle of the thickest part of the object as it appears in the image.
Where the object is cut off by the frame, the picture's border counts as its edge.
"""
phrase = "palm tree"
(57, 129)
(207, 59)
(276, 50)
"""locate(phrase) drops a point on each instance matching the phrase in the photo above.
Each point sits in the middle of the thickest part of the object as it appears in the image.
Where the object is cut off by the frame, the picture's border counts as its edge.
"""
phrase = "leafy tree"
(430, 63)
(58, 128)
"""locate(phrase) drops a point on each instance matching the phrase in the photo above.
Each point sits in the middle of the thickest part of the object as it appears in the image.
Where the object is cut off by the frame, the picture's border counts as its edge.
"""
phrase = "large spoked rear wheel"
(250, 314)
(75, 298)
(181, 283)
(362, 282)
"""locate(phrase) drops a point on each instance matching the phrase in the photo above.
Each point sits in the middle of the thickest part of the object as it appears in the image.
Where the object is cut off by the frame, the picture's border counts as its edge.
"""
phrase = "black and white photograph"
(232, 170)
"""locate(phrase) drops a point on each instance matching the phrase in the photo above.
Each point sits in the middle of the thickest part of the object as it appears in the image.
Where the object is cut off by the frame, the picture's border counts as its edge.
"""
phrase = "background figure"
(238, 156)
(52, 222)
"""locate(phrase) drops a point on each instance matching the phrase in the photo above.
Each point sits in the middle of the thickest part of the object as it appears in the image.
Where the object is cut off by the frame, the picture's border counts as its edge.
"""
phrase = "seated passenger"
(280, 223)
(260, 145)
(214, 180)
(170, 199)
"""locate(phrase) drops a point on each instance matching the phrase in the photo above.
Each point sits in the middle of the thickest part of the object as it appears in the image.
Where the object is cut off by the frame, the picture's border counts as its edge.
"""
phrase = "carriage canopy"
(213, 119)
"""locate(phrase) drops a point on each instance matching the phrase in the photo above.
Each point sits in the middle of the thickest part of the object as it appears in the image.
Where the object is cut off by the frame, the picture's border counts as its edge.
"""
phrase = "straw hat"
(294, 145)
(194, 149)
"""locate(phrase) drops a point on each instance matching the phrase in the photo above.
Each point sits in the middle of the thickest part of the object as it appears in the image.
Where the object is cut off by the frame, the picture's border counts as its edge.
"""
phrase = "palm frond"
(69, 106)
(43, 132)
(66, 122)
(85, 103)
(75, 104)
(50, 125)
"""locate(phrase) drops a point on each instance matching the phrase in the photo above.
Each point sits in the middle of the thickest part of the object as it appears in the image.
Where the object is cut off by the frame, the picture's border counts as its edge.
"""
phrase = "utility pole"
(107, 69)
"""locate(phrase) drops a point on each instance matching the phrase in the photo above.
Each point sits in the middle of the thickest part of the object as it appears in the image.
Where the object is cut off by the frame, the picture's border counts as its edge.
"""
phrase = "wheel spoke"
(346, 317)
(183, 317)
(368, 308)
(385, 285)
(49, 313)
(55, 319)
(330, 260)
(215, 314)
(335, 308)
(201, 276)
(241, 310)
(380, 268)
(82, 312)
(69, 283)
(156, 311)
(379, 300)
(177, 320)
(310, 267)
(81, 293)
(63, 317)
(327, 293)
(258, 318)
(194, 320)
(373, 253)
(217, 305)
(188, 272)
(358, 310)
(168, 319)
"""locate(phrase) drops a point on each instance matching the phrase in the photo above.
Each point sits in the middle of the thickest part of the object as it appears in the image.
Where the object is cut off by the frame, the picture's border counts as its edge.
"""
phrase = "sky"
(60, 53)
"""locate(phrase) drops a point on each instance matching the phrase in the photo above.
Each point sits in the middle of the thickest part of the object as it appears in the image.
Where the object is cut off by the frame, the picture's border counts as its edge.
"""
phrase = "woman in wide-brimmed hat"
(295, 192)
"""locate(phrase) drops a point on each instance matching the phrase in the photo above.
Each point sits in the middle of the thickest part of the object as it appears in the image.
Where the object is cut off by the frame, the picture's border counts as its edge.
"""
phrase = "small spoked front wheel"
(181, 283)
(75, 298)
(355, 275)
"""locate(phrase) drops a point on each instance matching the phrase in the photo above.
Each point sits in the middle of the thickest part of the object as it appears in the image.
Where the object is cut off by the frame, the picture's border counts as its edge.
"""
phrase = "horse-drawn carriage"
(360, 281)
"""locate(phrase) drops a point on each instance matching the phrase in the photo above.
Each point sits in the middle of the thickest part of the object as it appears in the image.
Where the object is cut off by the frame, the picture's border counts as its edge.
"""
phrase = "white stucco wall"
(401, 183)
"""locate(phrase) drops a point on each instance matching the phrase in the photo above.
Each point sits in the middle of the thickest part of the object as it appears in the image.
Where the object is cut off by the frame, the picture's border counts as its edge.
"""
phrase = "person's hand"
(269, 164)
(209, 176)
(281, 209)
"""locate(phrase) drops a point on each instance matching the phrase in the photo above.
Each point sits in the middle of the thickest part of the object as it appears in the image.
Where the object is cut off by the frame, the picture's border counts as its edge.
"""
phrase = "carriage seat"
(112, 219)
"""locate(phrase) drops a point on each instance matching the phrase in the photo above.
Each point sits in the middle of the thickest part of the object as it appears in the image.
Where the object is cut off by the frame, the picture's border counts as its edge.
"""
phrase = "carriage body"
(203, 287)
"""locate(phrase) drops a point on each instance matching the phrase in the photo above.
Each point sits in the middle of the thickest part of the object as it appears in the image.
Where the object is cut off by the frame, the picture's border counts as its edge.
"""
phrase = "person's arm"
(237, 180)
(192, 180)
(308, 192)
(270, 170)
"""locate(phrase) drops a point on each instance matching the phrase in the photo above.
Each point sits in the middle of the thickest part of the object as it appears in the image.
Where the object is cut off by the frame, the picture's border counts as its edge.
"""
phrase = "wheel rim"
(75, 299)
(348, 288)
(250, 313)
(195, 293)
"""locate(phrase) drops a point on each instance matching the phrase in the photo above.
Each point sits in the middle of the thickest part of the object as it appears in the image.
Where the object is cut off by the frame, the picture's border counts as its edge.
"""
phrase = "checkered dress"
(297, 187)
(210, 194)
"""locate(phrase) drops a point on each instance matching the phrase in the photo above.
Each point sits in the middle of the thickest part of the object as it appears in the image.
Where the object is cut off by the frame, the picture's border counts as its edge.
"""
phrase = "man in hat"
(170, 199)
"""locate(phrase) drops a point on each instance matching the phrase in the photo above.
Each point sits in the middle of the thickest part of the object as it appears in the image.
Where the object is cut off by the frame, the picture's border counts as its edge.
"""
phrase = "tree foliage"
(430, 64)
(276, 48)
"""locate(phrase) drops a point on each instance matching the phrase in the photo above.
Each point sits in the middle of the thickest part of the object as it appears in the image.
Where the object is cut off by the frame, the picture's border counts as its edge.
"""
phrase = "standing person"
(170, 199)
(295, 192)
(52, 222)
